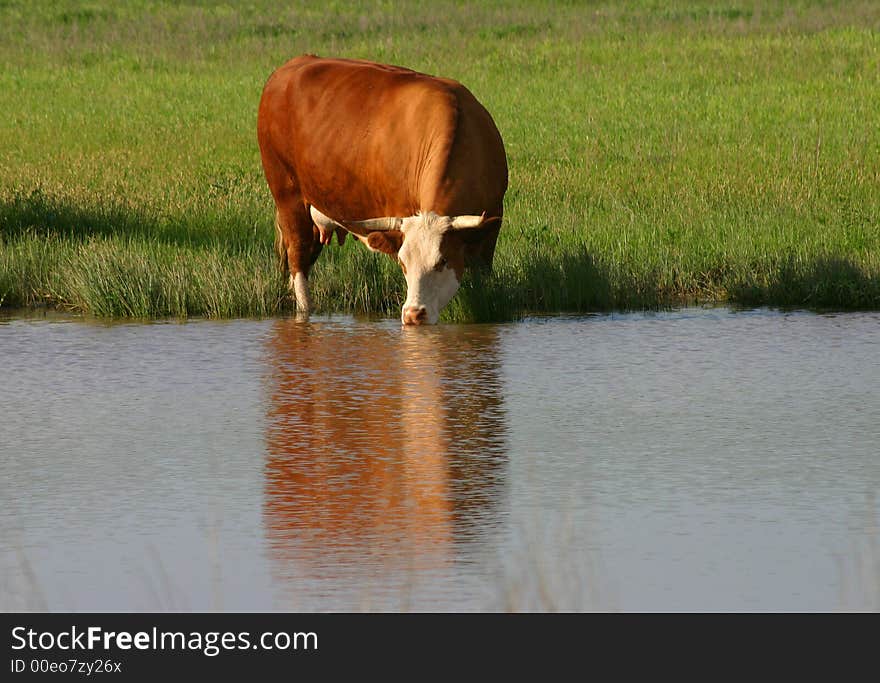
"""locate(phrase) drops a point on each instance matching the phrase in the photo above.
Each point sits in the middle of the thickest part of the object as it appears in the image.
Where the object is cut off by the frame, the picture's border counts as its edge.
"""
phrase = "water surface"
(694, 460)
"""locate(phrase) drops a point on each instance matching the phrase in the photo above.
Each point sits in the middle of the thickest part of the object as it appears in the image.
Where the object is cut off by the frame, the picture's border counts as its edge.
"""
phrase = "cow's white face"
(432, 260)
(424, 256)
(430, 250)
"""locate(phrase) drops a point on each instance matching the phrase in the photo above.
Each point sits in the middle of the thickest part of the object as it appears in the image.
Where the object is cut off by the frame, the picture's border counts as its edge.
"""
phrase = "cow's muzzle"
(415, 315)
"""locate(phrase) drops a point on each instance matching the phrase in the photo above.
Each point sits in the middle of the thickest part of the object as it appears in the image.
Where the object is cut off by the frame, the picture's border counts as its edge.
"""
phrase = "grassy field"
(660, 152)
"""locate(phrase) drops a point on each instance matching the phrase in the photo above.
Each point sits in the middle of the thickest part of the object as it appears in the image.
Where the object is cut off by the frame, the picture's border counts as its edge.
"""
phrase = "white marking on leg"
(300, 286)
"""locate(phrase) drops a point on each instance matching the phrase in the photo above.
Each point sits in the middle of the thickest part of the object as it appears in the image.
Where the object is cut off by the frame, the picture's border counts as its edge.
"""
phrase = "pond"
(700, 459)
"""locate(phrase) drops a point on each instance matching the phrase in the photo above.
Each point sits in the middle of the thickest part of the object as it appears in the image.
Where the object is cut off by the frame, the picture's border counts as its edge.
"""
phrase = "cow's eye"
(441, 264)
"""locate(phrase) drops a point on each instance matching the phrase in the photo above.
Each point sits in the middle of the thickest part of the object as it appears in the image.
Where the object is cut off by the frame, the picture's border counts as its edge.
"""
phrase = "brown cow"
(344, 141)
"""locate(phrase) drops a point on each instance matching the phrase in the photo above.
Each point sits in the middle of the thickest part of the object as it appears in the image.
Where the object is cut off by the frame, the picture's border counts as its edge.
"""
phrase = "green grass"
(660, 152)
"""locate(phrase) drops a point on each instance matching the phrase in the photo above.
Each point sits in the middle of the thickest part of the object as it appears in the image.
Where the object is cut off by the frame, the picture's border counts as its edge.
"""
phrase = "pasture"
(661, 153)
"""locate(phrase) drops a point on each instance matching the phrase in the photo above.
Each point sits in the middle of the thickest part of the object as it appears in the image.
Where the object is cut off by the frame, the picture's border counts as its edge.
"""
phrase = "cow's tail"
(280, 244)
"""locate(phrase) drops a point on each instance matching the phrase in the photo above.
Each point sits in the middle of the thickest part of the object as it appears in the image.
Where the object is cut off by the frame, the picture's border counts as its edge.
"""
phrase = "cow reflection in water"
(385, 447)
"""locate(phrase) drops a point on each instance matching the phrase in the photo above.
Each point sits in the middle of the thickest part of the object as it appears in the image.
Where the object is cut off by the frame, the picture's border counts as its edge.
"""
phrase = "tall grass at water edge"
(660, 152)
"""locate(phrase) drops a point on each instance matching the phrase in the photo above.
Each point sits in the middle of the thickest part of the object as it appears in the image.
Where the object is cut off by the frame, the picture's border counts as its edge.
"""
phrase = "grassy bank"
(660, 152)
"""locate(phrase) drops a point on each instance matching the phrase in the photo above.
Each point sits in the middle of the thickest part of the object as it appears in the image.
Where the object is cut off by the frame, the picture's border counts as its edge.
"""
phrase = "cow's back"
(363, 139)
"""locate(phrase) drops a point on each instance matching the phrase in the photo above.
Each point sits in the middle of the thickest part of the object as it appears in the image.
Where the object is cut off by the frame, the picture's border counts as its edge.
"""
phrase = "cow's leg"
(297, 240)
(302, 245)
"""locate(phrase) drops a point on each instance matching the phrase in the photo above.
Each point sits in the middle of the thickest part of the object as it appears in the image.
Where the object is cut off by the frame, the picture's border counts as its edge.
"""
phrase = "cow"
(410, 164)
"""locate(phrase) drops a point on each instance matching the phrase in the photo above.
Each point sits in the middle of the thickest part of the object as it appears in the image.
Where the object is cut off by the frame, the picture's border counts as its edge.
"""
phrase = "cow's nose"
(415, 315)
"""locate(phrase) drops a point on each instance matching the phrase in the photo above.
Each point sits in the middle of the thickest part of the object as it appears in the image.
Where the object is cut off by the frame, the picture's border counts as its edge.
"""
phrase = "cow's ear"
(386, 241)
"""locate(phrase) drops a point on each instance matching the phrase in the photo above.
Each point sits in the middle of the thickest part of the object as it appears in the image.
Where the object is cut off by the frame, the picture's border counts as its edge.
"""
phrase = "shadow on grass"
(539, 284)
(223, 247)
(830, 282)
(578, 282)
(39, 213)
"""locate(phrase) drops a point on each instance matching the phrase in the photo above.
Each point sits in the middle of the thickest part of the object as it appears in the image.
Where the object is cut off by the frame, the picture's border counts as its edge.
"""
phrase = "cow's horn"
(372, 225)
(362, 228)
(465, 222)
